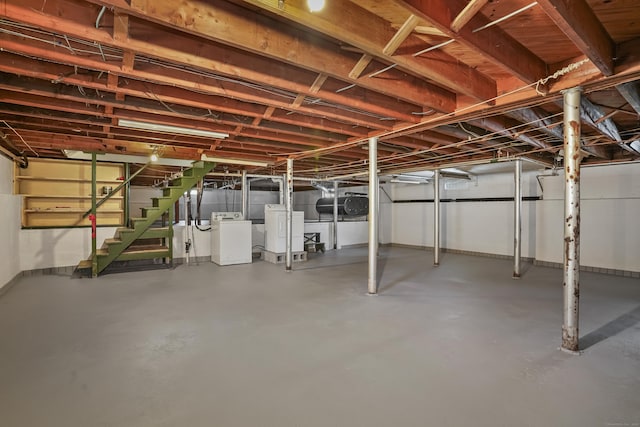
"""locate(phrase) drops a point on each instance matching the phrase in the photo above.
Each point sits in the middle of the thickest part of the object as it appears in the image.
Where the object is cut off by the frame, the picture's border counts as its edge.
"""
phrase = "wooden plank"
(465, 15)
(371, 33)
(576, 19)
(219, 21)
(317, 83)
(362, 63)
(77, 21)
(401, 35)
(493, 43)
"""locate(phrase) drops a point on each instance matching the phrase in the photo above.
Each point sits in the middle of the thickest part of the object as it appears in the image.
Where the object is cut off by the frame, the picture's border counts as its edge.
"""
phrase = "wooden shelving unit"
(56, 193)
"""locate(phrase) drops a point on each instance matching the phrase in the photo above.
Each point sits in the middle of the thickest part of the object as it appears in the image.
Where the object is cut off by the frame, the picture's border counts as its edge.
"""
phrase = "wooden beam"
(77, 20)
(578, 21)
(362, 63)
(401, 35)
(369, 32)
(467, 13)
(226, 23)
(492, 43)
(317, 83)
(298, 101)
(631, 93)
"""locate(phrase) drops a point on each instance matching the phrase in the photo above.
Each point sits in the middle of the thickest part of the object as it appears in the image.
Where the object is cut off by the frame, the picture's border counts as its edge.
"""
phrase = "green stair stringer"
(114, 249)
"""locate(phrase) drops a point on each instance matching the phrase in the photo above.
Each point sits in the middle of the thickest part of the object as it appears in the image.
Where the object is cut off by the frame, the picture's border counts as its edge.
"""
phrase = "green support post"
(127, 193)
(170, 242)
(94, 220)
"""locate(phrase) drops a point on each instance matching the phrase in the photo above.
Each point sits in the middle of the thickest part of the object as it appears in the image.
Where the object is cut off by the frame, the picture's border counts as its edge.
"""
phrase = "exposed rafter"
(577, 20)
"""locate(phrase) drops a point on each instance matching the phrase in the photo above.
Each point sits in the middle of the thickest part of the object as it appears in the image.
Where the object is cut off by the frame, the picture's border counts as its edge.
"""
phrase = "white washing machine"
(230, 240)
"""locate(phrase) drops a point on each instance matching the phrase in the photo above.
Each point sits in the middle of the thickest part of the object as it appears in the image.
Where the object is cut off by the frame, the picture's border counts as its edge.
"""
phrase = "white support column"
(289, 209)
(378, 215)
(436, 218)
(572, 158)
(373, 216)
(245, 195)
(335, 214)
(517, 219)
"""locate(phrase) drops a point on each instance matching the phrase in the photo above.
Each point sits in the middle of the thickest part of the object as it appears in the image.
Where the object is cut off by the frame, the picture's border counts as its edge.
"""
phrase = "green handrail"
(118, 188)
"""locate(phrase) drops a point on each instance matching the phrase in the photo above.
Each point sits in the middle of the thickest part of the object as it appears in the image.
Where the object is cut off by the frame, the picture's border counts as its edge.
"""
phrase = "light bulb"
(315, 5)
(154, 157)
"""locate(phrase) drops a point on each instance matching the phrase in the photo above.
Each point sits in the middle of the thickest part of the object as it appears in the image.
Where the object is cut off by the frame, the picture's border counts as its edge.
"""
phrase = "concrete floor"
(461, 344)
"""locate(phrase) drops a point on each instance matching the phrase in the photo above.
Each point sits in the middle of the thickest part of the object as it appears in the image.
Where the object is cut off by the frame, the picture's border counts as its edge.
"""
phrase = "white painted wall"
(610, 236)
(610, 218)
(486, 227)
(58, 247)
(9, 224)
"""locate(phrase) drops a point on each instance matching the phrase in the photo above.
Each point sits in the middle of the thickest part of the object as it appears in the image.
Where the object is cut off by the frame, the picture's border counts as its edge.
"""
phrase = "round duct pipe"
(347, 206)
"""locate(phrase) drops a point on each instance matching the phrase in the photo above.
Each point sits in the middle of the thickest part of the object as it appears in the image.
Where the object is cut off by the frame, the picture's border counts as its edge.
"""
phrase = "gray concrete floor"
(461, 344)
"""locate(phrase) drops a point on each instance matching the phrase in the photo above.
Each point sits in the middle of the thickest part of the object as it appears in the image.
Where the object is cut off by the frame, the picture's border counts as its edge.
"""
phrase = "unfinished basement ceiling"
(439, 82)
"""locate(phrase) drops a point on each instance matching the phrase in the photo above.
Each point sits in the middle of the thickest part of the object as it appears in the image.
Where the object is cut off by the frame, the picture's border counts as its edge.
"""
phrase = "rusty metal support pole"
(245, 195)
(373, 216)
(335, 214)
(517, 219)
(289, 210)
(436, 218)
(572, 160)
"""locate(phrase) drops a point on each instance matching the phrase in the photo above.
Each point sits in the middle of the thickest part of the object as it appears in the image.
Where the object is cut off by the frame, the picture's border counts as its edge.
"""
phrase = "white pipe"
(245, 195)
(289, 210)
(571, 219)
(335, 214)
(517, 220)
(436, 218)
(185, 236)
(373, 216)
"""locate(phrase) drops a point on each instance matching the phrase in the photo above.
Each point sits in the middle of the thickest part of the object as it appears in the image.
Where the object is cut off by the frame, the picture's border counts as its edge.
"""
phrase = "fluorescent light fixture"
(244, 162)
(126, 158)
(406, 181)
(635, 145)
(315, 5)
(133, 124)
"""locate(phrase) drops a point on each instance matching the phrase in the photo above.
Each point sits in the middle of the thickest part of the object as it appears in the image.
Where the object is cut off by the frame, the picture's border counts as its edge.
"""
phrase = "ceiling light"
(315, 5)
(126, 158)
(133, 124)
(406, 181)
(154, 156)
(244, 162)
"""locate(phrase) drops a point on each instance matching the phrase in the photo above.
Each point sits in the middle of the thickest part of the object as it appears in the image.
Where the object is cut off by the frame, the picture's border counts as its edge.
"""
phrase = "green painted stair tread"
(144, 254)
(112, 241)
(141, 226)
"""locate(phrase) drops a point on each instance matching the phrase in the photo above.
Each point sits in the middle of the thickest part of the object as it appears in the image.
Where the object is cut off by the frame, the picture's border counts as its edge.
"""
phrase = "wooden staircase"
(128, 243)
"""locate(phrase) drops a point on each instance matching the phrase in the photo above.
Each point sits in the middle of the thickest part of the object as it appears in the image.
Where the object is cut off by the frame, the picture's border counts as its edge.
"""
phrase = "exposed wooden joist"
(214, 21)
(360, 66)
(493, 43)
(317, 83)
(631, 93)
(576, 19)
(76, 19)
(467, 13)
(401, 35)
(371, 33)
